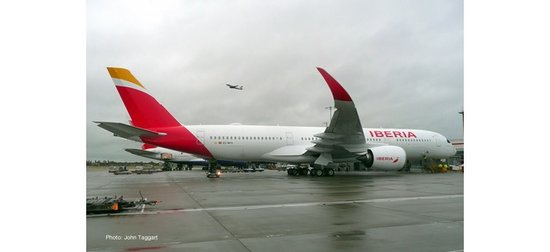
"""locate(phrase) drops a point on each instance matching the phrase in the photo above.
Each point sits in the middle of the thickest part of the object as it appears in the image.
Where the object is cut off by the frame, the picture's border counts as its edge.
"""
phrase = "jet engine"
(385, 158)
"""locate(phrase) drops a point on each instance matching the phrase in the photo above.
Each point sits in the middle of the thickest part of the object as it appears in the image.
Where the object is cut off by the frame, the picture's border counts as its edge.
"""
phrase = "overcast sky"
(401, 61)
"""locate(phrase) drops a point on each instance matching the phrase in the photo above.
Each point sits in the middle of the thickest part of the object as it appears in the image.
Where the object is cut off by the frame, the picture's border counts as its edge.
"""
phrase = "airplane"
(235, 86)
(344, 140)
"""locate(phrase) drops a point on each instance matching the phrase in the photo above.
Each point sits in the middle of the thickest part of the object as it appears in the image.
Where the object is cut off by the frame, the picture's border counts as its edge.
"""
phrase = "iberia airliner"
(344, 140)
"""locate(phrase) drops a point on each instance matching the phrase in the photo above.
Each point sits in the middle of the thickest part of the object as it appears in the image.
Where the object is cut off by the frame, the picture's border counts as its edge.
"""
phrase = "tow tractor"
(214, 174)
(213, 171)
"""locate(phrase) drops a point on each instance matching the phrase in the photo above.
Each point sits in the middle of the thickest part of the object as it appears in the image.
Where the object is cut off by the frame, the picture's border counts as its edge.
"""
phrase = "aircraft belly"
(290, 159)
(229, 152)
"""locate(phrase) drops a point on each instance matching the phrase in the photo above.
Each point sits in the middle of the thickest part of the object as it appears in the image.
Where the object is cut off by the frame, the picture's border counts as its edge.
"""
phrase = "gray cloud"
(401, 61)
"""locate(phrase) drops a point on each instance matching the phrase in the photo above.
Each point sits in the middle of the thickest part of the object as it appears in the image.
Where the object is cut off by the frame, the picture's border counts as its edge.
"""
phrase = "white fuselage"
(257, 143)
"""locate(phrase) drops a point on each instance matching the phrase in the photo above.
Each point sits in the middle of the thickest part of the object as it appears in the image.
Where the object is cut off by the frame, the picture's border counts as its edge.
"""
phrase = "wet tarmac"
(270, 211)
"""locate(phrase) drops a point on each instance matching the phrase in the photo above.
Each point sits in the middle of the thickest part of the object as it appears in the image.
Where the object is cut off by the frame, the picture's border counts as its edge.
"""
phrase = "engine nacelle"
(385, 158)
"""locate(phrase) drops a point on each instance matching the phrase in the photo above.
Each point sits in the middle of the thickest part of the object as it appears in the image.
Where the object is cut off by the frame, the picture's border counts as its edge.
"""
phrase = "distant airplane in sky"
(235, 86)
(344, 140)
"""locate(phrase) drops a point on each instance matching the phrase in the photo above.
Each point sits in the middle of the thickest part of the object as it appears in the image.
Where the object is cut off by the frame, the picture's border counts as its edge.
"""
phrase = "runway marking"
(255, 207)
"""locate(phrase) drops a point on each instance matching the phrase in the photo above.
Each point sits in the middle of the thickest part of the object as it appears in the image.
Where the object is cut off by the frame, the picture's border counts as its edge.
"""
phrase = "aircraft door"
(289, 138)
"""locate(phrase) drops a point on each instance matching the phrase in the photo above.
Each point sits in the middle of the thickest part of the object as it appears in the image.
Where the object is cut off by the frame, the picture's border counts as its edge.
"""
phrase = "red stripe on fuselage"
(178, 138)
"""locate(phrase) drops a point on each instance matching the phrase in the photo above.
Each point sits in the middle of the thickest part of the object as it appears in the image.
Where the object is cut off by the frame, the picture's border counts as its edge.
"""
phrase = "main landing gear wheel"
(329, 172)
(318, 172)
(297, 172)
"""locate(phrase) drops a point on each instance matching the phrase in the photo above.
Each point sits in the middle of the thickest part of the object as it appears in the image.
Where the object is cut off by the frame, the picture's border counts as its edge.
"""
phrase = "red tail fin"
(145, 111)
(153, 123)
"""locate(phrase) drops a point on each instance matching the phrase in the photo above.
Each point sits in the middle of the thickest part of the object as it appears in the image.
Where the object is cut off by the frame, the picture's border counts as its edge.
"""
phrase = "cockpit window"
(448, 141)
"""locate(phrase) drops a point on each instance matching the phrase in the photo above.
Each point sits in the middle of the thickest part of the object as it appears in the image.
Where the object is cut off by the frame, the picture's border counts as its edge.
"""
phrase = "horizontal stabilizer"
(140, 152)
(127, 131)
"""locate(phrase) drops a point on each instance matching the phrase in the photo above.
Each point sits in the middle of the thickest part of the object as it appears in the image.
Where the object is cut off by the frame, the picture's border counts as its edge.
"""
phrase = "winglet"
(338, 92)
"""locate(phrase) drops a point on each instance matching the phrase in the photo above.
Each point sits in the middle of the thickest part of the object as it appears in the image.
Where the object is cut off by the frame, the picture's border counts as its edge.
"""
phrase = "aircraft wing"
(127, 131)
(343, 139)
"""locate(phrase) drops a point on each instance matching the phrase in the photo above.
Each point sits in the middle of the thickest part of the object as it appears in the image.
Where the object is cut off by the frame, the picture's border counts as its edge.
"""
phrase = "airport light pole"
(462, 113)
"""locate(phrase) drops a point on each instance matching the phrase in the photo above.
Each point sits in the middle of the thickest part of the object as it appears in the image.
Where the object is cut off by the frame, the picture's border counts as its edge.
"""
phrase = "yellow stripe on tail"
(123, 74)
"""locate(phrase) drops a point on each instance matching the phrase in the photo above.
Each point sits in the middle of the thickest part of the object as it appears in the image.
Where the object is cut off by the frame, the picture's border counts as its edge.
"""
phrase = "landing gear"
(297, 172)
(291, 172)
(166, 166)
(318, 172)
